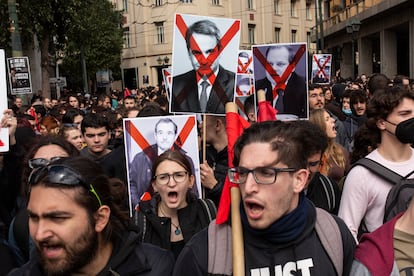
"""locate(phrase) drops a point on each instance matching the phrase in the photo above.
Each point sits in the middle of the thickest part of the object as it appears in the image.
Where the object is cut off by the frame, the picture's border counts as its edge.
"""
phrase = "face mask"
(405, 131)
(347, 112)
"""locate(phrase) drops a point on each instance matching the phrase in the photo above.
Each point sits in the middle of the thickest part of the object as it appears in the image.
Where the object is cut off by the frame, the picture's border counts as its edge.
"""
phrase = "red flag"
(266, 112)
(234, 126)
(32, 112)
(126, 92)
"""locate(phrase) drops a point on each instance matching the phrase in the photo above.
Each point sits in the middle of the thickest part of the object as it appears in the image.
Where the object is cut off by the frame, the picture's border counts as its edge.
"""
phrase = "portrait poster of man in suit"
(166, 75)
(321, 68)
(204, 63)
(148, 137)
(281, 71)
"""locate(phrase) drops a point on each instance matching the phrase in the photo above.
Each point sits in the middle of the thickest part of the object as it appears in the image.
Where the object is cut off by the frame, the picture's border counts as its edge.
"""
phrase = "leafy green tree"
(68, 26)
(46, 21)
(98, 34)
(4, 25)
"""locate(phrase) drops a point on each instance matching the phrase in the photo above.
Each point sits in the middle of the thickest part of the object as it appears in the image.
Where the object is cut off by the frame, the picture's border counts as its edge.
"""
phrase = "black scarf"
(285, 229)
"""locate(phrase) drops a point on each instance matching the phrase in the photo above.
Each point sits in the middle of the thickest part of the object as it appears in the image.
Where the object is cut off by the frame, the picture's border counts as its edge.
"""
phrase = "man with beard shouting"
(78, 227)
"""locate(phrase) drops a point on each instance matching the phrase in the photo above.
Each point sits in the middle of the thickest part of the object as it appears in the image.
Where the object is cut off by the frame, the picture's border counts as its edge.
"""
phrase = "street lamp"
(352, 28)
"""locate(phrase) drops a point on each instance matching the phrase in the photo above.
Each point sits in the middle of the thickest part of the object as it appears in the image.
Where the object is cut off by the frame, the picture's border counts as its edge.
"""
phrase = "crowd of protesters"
(351, 118)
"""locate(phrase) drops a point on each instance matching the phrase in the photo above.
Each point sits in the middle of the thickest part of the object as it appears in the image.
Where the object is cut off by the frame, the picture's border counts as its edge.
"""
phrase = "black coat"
(295, 99)
(129, 257)
(157, 230)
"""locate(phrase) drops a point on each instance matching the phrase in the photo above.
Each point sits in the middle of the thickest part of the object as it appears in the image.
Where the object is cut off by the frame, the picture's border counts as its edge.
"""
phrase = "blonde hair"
(333, 153)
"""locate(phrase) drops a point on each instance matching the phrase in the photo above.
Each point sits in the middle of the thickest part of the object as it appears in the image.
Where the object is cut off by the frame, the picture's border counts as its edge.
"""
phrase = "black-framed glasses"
(63, 175)
(164, 178)
(42, 162)
(262, 175)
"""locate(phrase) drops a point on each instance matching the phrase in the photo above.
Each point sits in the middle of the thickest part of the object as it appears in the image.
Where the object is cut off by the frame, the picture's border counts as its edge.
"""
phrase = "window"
(158, 3)
(293, 8)
(308, 11)
(250, 5)
(293, 38)
(186, 1)
(276, 6)
(277, 35)
(125, 5)
(308, 38)
(127, 38)
(160, 32)
(216, 2)
(251, 28)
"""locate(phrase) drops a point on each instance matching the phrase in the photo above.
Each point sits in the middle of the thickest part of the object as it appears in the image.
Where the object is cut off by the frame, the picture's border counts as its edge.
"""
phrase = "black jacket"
(324, 193)
(129, 257)
(219, 162)
(302, 256)
(157, 230)
(295, 99)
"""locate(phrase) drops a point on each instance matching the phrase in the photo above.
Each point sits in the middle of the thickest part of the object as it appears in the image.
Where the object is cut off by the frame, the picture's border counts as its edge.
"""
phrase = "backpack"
(220, 244)
(399, 196)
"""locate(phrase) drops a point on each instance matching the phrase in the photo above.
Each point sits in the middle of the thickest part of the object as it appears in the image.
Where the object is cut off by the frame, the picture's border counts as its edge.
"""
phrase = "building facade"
(148, 29)
(369, 36)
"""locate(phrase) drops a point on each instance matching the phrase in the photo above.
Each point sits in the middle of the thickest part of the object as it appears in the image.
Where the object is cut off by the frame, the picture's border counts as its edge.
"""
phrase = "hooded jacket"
(129, 257)
(375, 252)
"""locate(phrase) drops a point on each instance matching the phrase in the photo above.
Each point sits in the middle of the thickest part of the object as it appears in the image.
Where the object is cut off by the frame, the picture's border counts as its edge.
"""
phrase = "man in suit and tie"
(288, 95)
(207, 87)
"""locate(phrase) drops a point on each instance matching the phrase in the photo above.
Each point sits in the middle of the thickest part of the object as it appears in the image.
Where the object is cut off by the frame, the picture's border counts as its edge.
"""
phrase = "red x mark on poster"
(321, 67)
(240, 105)
(243, 68)
(240, 93)
(210, 59)
(280, 80)
(144, 145)
(167, 76)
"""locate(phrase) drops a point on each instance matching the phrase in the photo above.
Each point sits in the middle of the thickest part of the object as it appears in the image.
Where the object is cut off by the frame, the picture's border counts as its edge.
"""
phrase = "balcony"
(363, 9)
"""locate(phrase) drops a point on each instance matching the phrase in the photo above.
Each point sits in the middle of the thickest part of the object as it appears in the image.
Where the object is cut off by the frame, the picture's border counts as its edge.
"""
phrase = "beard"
(78, 254)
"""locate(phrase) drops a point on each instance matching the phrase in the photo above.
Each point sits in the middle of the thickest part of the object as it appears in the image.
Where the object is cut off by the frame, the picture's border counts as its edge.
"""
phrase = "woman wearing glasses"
(174, 214)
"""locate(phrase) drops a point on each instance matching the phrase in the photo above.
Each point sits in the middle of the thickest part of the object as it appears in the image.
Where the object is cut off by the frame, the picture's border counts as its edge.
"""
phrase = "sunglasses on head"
(42, 162)
(62, 175)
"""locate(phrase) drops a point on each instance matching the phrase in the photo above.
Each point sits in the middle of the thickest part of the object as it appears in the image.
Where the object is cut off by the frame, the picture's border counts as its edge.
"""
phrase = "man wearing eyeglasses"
(78, 227)
(281, 230)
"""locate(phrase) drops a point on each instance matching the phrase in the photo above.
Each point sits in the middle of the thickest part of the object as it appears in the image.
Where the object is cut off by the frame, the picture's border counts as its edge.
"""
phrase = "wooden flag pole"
(236, 226)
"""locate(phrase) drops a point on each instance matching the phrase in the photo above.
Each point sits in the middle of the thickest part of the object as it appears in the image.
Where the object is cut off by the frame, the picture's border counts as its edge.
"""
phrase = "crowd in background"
(338, 109)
